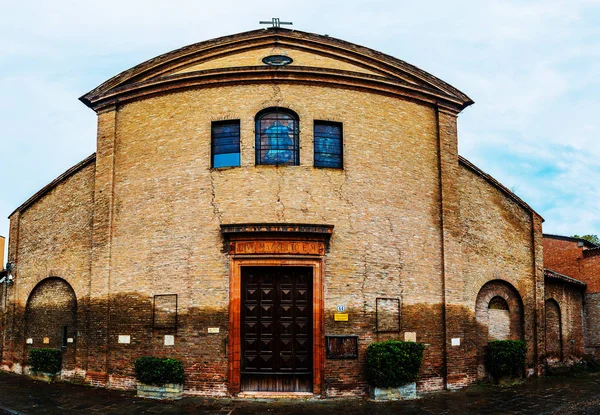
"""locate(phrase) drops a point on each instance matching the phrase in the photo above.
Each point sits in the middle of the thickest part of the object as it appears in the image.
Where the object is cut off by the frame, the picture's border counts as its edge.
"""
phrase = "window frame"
(213, 124)
(341, 154)
(259, 149)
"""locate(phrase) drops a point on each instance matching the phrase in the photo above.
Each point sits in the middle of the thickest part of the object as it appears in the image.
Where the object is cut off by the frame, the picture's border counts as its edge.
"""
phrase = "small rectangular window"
(328, 144)
(225, 139)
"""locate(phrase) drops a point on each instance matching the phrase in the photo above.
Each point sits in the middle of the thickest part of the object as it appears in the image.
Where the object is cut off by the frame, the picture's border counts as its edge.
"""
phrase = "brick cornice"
(394, 76)
(254, 228)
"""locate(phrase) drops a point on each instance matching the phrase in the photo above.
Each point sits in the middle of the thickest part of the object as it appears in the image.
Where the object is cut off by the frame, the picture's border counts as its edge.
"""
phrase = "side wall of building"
(501, 248)
(569, 325)
(51, 238)
(567, 257)
(564, 257)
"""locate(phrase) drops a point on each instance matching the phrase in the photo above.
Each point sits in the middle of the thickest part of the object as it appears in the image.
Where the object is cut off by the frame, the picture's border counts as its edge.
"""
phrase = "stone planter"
(401, 393)
(168, 391)
(44, 377)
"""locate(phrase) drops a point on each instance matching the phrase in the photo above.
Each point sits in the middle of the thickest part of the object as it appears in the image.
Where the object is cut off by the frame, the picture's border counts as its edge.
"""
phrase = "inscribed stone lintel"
(277, 247)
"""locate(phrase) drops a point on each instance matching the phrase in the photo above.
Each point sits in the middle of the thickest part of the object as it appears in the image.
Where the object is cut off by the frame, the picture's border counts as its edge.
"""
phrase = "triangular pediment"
(239, 58)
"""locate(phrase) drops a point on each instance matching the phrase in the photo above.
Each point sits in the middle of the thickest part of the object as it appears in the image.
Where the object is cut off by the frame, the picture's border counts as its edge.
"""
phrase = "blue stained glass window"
(328, 144)
(277, 137)
(225, 143)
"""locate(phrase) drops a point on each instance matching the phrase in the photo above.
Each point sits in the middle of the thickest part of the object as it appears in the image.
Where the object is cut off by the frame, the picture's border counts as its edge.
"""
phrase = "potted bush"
(159, 378)
(506, 359)
(45, 364)
(392, 368)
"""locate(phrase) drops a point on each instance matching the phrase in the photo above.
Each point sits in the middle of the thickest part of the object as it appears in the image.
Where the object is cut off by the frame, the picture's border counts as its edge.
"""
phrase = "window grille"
(328, 144)
(277, 137)
(225, 138)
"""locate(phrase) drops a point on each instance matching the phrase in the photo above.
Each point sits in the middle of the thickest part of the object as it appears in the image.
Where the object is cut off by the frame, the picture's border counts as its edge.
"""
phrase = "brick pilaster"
(453, 284)
(99, 312)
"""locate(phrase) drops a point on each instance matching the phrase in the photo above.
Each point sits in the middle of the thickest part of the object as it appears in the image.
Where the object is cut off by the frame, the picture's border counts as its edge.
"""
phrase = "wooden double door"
(276, 329)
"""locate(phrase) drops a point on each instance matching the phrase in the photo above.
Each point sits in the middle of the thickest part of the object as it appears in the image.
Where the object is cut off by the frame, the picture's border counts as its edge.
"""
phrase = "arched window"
(277, 137)
(498, 303)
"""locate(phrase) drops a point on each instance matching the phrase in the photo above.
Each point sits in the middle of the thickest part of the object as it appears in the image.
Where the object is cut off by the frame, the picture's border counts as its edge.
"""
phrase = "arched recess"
(51, 318)
(498, 315)
(554, 344)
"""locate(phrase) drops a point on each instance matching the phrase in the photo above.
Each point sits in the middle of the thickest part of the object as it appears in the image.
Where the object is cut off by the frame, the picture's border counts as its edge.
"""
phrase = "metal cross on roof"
(275, 22)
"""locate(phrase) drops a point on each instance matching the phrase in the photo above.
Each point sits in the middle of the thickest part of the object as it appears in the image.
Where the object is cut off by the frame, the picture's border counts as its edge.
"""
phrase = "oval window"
(277, 60)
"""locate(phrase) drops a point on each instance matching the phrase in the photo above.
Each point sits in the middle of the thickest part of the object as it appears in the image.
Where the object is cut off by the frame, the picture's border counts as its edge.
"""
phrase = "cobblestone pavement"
(552, 395)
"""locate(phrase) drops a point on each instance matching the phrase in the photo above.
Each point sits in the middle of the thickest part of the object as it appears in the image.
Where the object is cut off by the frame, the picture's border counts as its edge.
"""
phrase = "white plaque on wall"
(213, 330)
(169, 340)
(124, 338)
(456, 341)
(69, 339)
(29, 341)
(410, 336)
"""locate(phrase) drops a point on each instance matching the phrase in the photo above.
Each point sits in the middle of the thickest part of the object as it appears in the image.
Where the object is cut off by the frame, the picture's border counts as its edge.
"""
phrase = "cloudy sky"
(532, 68)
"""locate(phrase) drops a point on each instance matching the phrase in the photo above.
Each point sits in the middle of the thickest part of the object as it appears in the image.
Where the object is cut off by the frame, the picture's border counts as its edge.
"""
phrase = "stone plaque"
(169, 340)
(410, 336)
(29, 341)
(388, 314)
(341, 347)
(69, 339)
(213, 330)
(124, 338)
(456, 341)
(46, 340)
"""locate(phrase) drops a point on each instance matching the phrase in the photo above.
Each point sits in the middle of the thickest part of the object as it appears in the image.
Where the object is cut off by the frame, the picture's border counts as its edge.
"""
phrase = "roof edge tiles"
(497, 184)
(548, 273)
(46, 189)
(587, 243)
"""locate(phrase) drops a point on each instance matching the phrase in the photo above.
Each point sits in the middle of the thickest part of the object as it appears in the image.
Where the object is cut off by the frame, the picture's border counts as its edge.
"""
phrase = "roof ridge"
(68, 173)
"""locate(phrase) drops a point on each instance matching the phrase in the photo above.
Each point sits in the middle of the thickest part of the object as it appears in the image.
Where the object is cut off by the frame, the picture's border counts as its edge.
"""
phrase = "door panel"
(277, 328)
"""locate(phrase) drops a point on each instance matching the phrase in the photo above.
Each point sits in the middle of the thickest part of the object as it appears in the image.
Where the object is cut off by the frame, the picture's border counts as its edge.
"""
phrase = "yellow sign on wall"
(340, 317)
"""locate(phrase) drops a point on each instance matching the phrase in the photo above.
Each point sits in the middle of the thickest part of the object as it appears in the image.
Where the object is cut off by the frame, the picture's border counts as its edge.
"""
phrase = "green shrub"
(393, 363)
(158, 371)
(506, 357)
(45, 360)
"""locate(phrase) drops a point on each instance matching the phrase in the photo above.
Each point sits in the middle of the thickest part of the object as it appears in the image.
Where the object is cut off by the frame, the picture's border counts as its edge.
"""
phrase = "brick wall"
(499, 260)
(564, 304)
(564, 257)
(51, 238)
(581, 263)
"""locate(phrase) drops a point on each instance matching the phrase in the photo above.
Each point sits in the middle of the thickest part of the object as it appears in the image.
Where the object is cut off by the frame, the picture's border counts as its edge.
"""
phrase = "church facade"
(263, 206)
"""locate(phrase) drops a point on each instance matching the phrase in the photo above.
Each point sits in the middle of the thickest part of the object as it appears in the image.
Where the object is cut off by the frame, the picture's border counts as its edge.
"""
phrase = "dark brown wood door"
(277, 329)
